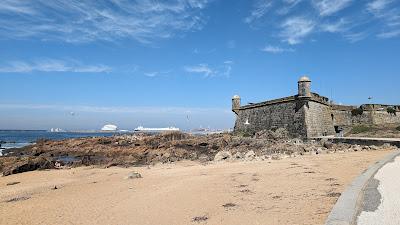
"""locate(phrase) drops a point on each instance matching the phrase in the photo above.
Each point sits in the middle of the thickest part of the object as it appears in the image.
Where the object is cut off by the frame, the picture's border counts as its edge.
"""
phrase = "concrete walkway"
(361, 140)
(381, 202)
(373, 198)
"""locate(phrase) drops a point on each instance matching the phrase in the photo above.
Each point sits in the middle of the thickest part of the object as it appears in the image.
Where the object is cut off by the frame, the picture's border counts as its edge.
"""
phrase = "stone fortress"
(308, 114)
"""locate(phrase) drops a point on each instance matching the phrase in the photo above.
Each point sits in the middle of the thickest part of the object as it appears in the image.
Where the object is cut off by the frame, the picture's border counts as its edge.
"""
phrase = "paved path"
(373, 198)
(361, 140)
(381, 203)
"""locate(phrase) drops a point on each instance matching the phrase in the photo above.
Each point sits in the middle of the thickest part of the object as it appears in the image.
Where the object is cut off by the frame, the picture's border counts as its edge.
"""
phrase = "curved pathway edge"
(348, 206)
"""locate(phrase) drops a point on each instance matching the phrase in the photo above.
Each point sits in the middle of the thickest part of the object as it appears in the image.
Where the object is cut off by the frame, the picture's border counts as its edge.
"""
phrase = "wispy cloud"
(85, 21)
(287, 6)
(334, 27)
(204, 69)
(329, 7)
(151, 74)
(157, 73)
(276, 49)
(389, 14)
(52, 65)
(260, 8)
(356, 37)
(295, 21)
(295, 29)
(377, 6)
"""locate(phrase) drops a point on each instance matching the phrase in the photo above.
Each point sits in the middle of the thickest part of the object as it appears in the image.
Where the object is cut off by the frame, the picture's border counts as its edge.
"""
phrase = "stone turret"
(304, 86)
(235, 103)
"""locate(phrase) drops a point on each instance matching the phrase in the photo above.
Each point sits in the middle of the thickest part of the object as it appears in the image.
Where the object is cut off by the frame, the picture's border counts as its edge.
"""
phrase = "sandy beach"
(298, 190)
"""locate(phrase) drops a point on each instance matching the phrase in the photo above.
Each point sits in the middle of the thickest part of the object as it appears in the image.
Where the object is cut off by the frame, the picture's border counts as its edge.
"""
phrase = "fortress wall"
(318, 120)
(342, 118)
(383, 117)
(345, 118)
(287, 115)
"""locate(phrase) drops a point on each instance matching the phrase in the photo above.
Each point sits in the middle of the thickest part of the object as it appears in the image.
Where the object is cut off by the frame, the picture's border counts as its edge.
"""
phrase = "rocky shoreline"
(142, 149)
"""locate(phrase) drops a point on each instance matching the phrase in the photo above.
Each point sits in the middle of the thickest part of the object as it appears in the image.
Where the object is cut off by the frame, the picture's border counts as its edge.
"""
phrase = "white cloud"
(389, 14)
(151, 74)
(84, 21)
(276, 49)
(260, 8)
(335, 27)
(295, 29)
(356, 37)
(377, 6)
(201, 69)
(390, 34)
(288, 6)
(51, 65)
(224, 70)
(329, 7)
(294, 21)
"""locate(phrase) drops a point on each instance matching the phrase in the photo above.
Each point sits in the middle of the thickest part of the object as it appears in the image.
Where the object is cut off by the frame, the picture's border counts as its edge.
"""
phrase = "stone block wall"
(345, 118)
(382, 117)
(318, 119)
(342, 118)
(289, 115)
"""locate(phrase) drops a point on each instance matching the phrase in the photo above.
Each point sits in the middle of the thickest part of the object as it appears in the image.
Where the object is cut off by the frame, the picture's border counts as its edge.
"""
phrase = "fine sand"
(290, 191)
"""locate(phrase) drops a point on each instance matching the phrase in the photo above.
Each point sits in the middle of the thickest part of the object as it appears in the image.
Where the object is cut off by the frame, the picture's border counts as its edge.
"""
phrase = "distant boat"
(109, 127)
(145, 129)
(56, 130)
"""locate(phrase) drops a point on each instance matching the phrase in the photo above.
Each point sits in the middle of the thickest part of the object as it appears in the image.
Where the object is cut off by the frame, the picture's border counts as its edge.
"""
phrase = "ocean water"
(18, 139)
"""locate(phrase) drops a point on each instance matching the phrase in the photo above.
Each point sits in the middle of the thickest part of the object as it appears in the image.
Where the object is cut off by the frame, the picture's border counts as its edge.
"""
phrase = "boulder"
(357, 148)
(222, 156)
(238, 155)
(250, 155)
(328, 144)
(133, 175)
(276, 157)
(320, 151)
(25, 165)
(374, 147)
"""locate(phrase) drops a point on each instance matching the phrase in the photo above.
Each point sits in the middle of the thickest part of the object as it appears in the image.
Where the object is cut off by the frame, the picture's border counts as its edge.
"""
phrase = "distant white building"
(109, 127)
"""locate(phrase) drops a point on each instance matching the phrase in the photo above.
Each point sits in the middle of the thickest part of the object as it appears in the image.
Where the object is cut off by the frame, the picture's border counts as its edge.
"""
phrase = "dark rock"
(328, 144)
(26, 165)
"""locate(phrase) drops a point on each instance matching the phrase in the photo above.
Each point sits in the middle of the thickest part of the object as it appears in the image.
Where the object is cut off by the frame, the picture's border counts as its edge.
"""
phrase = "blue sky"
(81, 64)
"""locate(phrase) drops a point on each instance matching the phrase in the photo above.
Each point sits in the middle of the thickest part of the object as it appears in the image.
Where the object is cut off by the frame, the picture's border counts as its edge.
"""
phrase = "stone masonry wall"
(345, 118)
(382, 117)
(287, 115)
(342, 118)
(318, 120)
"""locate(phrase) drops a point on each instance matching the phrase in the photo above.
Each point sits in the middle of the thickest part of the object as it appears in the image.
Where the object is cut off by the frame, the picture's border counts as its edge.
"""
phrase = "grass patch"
(361, 129)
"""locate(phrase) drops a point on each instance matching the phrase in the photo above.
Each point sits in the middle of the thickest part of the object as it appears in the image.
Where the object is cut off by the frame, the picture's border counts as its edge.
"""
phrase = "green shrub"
(398, 128)
(357, 112)
(391, 111)
(360, 129)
